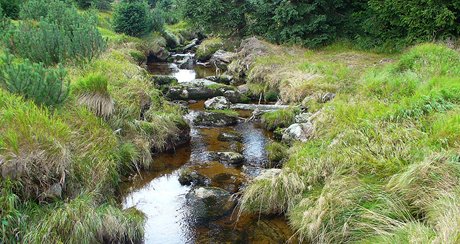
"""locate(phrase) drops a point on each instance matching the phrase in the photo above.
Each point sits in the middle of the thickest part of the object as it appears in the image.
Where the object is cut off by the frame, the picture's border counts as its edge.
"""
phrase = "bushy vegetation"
(61, 35)
(380, 167)
(135, 19)
(314, 23)
(10, 8)
(47, 86)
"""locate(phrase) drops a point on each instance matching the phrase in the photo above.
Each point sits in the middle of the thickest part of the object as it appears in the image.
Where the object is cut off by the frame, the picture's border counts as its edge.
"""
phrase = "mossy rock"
(207, 48)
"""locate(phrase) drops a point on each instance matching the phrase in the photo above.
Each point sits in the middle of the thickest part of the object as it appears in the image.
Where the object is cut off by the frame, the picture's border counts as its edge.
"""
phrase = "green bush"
(10, 8)
(134, 18)
(47, 86)
(98, 4)
(36, 9)
(62, 35)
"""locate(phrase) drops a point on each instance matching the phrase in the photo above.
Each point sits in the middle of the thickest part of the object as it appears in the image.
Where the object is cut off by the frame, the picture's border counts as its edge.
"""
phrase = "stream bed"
(160, 196)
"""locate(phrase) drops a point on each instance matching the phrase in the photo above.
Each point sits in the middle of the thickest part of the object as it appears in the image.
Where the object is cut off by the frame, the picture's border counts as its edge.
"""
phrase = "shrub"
(10, 8)
(92, 92)
(62, 35)
(132, 18)
(47, 86)
(36, 9)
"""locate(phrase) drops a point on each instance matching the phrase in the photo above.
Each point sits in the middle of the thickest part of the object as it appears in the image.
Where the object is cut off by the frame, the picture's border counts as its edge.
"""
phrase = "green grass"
(93, 93)
(382, 165)
(280, 118)
(227, 112)
(208, 47)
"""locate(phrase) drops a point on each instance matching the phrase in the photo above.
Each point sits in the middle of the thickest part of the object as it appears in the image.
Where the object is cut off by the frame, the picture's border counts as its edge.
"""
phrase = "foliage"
(10, 8)
(62, 35)
(11, 217)
(134, 18)
(93, 93)
(98, 4)
(47, 86)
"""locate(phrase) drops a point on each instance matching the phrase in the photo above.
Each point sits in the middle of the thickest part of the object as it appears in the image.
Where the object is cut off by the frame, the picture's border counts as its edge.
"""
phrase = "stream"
(160, 196)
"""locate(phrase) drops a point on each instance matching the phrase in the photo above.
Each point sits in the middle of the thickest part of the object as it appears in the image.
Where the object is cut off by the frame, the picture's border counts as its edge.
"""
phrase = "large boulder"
(232, 158)
(205, 118)
(218, 103)
(221, 59)
(233, 96)
(197, 89)
(298, 132)
(161, 54)
(207, 203)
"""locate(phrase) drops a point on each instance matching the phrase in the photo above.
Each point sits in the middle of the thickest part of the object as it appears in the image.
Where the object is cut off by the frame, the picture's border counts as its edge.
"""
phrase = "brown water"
(161, 197)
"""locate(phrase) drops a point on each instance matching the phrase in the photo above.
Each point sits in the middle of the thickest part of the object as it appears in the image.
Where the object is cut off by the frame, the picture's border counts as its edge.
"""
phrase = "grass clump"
(228, 112)
(279, 118)
(92, 92)
(277, 153)
(208, 47)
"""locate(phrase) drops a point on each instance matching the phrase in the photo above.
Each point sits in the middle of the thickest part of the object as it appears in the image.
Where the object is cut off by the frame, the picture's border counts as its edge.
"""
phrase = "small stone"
(218, 103)
(228, 157)
(303, 117)
(298, 132)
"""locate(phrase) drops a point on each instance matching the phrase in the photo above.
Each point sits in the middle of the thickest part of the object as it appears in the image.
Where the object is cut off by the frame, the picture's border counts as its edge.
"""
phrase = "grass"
(228, 112)
(277, 152)
(279, 118)
(208, 47)
(382, 165)
(92, 92)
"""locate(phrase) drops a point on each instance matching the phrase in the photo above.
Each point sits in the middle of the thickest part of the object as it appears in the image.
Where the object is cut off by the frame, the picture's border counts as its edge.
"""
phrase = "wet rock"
(192, 101)
(302, 118)
(161, 54)
(186, 63)
(204, 118)
(192, 177)
(191, 45)
(227, 181)
(196, 90)
(221, 59)
(228, 157)
(230, 136)
(298, 132)
(182, 104)
(233, 96)
(179, 139)
(209, 203)
(218, 103)
(164, 80)
(223, 79)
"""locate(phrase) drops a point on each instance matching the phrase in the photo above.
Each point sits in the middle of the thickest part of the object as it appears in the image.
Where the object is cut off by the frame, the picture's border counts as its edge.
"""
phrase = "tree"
(133, 18)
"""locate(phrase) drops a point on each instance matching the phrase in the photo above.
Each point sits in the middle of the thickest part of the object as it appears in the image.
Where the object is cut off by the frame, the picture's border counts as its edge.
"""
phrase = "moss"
(208, 47)
(227, 112)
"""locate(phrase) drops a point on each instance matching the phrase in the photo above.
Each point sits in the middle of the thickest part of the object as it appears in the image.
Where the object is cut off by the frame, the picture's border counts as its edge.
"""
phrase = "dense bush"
(99, 4)
(134, 18)
(62, 35)
(47, 86)
(10, 8)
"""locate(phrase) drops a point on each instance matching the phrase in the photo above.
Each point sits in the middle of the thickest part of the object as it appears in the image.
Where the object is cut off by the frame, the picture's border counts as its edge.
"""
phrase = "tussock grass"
(382, 166)
(95, 224)
(277, 153)
(92, 92)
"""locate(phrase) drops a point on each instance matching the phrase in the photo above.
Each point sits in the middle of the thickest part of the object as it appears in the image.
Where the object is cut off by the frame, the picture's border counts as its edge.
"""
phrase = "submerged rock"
(192, 177)
(204, 118)
(228, 157)
(230, 136)
(209, 203)
(298, 132)
(218, 103)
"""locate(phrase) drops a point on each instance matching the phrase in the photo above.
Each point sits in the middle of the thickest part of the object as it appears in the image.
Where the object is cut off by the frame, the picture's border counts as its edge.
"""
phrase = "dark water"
(159, 195)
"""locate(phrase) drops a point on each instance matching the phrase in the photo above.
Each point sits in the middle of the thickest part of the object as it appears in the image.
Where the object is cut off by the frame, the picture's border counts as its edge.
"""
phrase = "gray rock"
(228, 157)
(197, 89)
(230, 136)
(243, 89)
(324, 98)
(303, 117)
(204, 118)
(192, 177)
(233, 96)
(261, 107)
(162, 54)
(223, 79)
(298, 132)
(191, 45)
(221, 59)
(218, 103)
(209, 203)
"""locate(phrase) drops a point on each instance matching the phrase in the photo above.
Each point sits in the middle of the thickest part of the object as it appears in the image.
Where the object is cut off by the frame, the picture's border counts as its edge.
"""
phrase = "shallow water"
(160, 196)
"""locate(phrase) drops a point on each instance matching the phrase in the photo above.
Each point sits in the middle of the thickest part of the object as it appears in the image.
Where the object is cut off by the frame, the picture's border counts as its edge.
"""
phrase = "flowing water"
(159, 195)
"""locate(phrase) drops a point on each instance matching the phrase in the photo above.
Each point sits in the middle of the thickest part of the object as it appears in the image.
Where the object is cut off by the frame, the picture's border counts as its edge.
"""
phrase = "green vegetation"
(388, 24)
(279, 118)
(382, 165)
(10, 8)
(134, 18)
(48, 86)
(208, 47)
(277, 153)
(92, 92)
